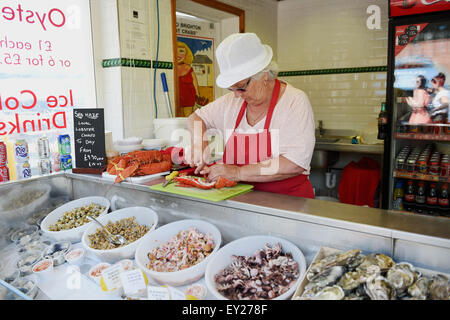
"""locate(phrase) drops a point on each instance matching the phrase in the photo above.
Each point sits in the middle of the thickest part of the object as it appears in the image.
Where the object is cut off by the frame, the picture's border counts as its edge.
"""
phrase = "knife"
(169, 178)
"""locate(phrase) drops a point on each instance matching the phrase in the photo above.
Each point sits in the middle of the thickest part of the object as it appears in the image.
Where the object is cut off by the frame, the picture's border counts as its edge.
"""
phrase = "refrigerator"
(415, 161)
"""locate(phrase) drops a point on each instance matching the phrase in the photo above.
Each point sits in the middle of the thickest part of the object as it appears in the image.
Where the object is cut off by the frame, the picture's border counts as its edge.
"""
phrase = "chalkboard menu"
(89, 137)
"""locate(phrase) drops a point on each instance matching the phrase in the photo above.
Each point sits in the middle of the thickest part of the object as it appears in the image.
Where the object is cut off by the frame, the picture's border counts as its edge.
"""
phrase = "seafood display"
(352, 275)
(139, 163)
(127, 227)
(267, 274)
(77, 217)
(184, 250)
(199, 182)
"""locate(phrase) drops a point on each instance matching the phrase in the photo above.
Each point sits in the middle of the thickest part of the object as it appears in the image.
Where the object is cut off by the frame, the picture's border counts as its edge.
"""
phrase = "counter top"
(344, 145)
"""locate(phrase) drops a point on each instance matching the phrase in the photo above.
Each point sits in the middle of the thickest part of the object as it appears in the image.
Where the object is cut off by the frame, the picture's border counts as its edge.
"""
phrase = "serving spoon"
(116, 239)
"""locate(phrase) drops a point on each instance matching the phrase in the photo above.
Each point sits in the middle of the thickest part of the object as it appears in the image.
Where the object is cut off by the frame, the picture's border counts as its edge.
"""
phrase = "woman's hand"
(227, 171)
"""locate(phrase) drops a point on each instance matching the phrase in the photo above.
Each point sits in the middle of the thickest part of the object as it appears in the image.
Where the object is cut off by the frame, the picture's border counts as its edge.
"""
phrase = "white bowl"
(132, 141)
(128, 148)
(75, 234)
(26, 211)
(144, 216)
(163, 235)
(247, 246)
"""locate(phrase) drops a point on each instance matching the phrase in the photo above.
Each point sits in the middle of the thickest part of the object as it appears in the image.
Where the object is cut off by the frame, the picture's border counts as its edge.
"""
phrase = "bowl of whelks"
(20, 202)
(133, 223)
(255, 268)
(177, 253)
(69, 221)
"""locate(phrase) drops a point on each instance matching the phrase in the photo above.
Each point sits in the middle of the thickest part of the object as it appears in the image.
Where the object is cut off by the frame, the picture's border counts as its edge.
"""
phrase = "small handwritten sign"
(89, 137)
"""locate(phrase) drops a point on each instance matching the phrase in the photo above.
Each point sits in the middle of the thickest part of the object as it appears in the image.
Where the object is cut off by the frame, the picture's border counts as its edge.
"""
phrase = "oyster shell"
(401, 276)
(420, 289)
(330, 293)
(376, 262)
(311, 292)
(439, 287)
(378, 288)
(327, 277)
(337, 259)
(351, 280)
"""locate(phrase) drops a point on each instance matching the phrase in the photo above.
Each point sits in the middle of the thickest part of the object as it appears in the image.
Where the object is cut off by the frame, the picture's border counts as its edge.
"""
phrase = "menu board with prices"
(89, 138)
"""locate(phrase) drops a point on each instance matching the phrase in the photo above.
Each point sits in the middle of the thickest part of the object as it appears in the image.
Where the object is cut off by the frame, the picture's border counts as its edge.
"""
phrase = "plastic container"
(171, 129)
(247, 247)
(163, 235)
(155, 144)
(144, 216)
(75, 256)
(44, 269)
(75, 234)
(96, 271)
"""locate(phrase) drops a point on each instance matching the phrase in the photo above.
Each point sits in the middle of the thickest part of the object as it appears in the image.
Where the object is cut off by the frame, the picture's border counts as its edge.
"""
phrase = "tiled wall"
(334, 34)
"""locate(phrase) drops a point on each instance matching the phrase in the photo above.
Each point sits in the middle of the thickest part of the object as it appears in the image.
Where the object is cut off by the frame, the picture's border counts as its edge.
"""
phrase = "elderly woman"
(267, 125)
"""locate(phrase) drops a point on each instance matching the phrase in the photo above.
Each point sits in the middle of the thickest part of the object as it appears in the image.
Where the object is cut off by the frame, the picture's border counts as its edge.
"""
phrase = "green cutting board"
(210, 194)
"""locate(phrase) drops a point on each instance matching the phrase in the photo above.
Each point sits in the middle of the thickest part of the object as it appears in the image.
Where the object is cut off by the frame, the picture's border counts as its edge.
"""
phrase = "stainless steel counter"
(310, 224)
(345, 145)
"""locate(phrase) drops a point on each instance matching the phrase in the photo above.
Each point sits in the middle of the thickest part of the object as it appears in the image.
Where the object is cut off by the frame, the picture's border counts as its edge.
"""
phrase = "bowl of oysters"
(352, 275)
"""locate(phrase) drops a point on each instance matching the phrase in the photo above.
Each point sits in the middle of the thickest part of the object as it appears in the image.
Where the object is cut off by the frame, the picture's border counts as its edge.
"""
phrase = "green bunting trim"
(332, 71)
(135, 63)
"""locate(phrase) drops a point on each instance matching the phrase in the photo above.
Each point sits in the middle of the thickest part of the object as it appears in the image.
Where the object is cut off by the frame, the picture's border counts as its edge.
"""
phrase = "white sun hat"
(240, 56)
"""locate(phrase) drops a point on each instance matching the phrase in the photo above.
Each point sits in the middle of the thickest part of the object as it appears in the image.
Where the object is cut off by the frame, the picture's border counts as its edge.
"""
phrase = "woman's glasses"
(241, 89)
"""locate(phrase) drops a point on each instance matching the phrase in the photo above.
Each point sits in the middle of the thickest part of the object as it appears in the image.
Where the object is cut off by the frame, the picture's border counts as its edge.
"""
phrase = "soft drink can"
(65, 162)
(64, 144)
(422, 165)
(3, 154)
(434, 166)
(4, 174)
(45, 166)
(23, 170)
(21, 153)
(43, 147)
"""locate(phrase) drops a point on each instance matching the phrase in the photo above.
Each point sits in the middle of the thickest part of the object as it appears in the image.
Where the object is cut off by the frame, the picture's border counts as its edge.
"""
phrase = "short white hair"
(272, 69)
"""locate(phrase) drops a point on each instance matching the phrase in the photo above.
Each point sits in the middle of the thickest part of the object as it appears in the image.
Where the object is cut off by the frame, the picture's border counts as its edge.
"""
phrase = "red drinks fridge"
(417, 146)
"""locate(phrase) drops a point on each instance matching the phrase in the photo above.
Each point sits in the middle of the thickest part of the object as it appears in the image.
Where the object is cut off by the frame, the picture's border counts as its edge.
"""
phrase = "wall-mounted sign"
(410, 7)
(46, 68)
(89, 137)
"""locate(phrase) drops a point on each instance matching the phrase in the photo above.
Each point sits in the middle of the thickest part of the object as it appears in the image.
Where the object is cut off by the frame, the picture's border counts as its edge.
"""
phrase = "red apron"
(243, 149)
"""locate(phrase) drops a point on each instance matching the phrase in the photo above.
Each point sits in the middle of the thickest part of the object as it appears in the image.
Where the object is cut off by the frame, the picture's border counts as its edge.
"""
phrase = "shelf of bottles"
(419, 176)
(422, 136)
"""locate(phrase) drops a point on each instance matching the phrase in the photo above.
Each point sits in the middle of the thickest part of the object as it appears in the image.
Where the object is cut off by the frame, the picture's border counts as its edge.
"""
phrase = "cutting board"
(210, 194)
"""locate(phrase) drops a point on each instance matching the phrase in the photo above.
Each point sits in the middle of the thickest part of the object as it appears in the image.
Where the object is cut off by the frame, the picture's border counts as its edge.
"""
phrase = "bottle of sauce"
(420, 197)
(432, 199)
(409, 199)
(443, 200)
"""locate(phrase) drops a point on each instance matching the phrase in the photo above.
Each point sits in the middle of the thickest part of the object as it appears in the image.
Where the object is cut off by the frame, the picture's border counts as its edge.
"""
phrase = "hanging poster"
(195, 65)
(46, 69)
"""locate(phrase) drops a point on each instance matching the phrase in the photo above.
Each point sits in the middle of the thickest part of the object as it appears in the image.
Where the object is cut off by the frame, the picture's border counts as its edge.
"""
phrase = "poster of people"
(195, 65)
(422, 71)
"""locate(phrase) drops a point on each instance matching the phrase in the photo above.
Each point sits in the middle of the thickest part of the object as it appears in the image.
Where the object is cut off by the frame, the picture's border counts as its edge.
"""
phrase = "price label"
(132, 281)
(111, 277)
(176, 294)
(158, 293)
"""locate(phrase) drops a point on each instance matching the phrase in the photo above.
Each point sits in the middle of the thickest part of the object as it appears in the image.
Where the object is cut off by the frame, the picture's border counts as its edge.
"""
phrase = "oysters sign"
(46, 65)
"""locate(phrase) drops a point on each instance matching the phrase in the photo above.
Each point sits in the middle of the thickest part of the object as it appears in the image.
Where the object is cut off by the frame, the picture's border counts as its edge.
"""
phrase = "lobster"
(193, 181)
(139, 163)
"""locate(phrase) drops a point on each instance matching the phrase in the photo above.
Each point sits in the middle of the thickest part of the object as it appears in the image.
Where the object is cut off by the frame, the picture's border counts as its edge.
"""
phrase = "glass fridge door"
(421, 130)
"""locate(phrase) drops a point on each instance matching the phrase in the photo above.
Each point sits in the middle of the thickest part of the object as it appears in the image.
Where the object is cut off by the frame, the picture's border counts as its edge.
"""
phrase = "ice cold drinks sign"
(46, 64)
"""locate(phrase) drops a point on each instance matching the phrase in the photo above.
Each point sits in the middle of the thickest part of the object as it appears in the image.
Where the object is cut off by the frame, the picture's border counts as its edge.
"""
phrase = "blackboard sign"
(89, 137)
